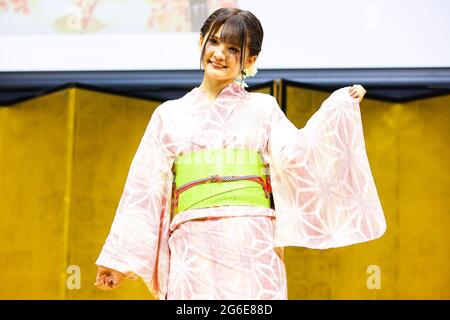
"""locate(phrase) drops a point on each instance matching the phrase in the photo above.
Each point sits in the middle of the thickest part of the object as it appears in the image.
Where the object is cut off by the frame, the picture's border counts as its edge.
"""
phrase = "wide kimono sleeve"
(136, 238)
(323, 189)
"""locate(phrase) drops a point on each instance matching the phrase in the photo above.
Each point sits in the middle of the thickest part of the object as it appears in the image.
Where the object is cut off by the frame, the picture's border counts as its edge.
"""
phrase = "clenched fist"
(357, 91)
(108, 279)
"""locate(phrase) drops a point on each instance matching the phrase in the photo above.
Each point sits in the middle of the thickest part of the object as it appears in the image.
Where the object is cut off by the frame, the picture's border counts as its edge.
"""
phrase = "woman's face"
(221, 61)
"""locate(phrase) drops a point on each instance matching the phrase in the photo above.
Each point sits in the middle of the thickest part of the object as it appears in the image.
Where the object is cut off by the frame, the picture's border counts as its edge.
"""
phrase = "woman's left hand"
(357, 92)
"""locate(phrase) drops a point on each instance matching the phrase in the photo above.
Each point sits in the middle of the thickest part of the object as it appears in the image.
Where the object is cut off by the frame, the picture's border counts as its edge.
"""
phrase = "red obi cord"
(265, 183)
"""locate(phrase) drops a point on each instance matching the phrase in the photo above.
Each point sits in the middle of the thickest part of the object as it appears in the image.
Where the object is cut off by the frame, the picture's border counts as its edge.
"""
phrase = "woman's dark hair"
(240, 27)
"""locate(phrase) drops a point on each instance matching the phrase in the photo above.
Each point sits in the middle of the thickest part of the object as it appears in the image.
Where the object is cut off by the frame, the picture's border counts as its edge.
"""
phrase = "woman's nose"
(219, 52)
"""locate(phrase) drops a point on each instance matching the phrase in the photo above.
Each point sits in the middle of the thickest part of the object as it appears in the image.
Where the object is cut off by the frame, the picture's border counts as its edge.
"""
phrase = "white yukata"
(322, 186)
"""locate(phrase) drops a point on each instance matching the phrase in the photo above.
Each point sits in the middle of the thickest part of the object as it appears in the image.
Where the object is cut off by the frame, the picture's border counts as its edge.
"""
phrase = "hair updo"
(240, 28)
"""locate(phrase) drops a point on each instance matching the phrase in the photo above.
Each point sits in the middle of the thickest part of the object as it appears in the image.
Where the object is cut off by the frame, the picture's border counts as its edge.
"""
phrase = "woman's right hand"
(108, 279)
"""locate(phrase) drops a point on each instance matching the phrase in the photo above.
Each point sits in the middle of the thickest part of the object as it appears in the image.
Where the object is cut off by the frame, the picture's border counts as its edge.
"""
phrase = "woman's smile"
(216, 65)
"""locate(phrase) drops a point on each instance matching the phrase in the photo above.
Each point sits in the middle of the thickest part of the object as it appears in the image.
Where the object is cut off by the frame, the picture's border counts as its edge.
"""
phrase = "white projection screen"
(91, 35)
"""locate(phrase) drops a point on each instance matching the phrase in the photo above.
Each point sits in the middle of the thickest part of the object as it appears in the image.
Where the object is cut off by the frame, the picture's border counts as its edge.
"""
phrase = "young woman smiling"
(222, 181)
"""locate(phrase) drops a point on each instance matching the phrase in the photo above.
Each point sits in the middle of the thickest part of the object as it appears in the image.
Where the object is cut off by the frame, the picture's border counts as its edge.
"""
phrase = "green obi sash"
(193, 169)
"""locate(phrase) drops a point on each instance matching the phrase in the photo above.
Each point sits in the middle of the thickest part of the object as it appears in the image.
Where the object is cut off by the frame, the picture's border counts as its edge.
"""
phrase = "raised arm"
(323, 188)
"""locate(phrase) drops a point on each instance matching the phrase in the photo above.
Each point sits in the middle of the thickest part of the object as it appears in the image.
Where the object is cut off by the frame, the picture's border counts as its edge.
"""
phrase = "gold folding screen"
(64, 158)
(64, 161)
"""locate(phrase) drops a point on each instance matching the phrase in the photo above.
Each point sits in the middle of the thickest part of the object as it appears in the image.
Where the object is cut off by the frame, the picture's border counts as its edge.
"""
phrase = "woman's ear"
(250, 61)
(200, 43)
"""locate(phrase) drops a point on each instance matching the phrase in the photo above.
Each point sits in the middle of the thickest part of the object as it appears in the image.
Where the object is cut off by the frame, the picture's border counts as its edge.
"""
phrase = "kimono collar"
(228, 96)
(209, 116)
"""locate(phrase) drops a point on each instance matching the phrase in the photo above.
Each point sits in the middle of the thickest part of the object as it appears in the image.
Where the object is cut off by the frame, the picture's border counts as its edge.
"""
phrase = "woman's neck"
(212, 87)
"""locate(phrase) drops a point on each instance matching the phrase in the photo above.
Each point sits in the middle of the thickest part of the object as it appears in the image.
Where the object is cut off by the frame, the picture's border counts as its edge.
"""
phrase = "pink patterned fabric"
(323, 190)
(208, 261)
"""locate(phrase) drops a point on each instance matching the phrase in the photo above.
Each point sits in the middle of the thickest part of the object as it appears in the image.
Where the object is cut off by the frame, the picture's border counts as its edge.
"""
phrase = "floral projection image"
(105, 16)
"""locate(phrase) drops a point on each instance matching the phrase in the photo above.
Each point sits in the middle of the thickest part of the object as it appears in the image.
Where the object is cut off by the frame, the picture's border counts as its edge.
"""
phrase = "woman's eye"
(234, 50)
(213, 41)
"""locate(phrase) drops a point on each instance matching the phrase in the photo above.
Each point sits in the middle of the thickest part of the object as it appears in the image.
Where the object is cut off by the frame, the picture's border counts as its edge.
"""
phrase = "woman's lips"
(217, 65)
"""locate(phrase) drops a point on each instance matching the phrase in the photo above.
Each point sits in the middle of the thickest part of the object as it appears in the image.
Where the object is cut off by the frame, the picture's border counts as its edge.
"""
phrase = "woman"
(195, 220)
